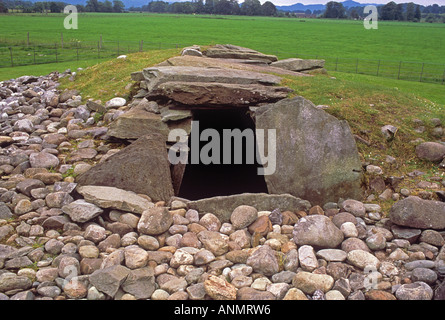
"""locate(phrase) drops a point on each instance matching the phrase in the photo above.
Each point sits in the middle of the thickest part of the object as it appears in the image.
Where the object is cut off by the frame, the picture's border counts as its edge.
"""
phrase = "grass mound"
(111, 78)
(366, 102)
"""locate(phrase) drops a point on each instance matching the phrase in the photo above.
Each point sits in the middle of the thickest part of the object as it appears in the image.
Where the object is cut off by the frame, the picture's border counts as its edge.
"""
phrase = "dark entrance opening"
(209, 180)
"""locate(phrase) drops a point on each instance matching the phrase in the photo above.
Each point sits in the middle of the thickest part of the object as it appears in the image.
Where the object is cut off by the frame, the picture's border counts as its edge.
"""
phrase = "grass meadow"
(422, 42)
(341, 42)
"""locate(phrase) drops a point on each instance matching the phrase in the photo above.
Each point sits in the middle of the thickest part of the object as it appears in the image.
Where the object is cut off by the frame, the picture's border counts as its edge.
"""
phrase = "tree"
(410, 11)
(92, 6)
(435, 9)
(39, 7)
(209, 6)
(3, 8)
(335, 10)
(158, 6)
(198, 6)
(268, 9)
(430, 18)
(389, 11)
(118, 6)
(398, 12)
(417, 14)
(251, 8)
(105, 6)
(354, 14)
(226, 7)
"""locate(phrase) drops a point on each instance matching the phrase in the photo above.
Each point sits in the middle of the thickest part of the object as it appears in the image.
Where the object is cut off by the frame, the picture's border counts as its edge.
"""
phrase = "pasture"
(346, 45)
(422, 42)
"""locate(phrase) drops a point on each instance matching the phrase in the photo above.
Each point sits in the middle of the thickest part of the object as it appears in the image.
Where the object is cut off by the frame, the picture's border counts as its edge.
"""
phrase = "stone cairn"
(81, 218)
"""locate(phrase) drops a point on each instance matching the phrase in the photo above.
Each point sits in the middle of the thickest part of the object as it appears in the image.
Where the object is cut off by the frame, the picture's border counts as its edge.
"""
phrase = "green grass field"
(343, 38)
(286, 37)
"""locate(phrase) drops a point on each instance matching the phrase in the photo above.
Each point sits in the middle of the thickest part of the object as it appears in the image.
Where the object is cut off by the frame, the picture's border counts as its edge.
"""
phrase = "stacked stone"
(63, 240)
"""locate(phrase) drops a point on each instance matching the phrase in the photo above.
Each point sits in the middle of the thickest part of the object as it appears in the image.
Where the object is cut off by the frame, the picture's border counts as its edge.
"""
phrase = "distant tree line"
(58, 6)
(223, 7)
(106, 6)
(390, 11)
(334, 10)
(411, 12)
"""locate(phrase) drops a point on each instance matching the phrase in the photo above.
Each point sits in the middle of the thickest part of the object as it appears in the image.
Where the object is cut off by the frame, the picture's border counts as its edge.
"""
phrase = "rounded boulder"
(317, 231)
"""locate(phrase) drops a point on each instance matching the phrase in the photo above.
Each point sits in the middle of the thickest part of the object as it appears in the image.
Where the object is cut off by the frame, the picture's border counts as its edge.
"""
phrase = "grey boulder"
(415, 212)
(316, 154)
(317, 230)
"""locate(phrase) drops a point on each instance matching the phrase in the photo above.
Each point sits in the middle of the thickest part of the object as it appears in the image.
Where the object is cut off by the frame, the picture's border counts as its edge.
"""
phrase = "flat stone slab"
(136, 123)
(223, 206)
(110, 197)
(236, 52)
(157, 75)
(295, 64)
(219, 94)
(227, 63)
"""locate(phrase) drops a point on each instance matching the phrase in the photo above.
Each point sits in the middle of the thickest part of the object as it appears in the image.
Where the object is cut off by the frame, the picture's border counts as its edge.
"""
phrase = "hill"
(313, 7)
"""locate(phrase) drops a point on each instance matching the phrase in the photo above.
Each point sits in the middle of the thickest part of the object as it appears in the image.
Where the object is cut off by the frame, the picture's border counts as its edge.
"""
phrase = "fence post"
(61, 39)
(356, 67)
(12, 60)
(336, 64)
(100, 41)
(34, 53)
(398, 74)
(443, 77)
(421, 73)
(55, 46)
(118, 47)
(28, 39)
(378, 68)
(77, 53)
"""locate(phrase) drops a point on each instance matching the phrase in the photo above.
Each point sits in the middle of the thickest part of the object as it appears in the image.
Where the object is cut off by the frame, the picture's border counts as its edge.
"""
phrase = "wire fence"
(400, 70)
(31, 54)
(22, 55)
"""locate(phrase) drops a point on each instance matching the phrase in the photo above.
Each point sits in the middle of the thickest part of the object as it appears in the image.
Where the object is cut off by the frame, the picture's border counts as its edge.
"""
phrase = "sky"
(422, 2)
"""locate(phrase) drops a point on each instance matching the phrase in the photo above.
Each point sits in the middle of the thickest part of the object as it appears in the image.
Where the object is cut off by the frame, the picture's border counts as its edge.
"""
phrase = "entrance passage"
(208, 180)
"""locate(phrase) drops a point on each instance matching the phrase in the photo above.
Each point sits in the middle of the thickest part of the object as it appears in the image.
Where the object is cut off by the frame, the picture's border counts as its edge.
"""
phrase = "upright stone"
(141, 167)
(316, 154)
